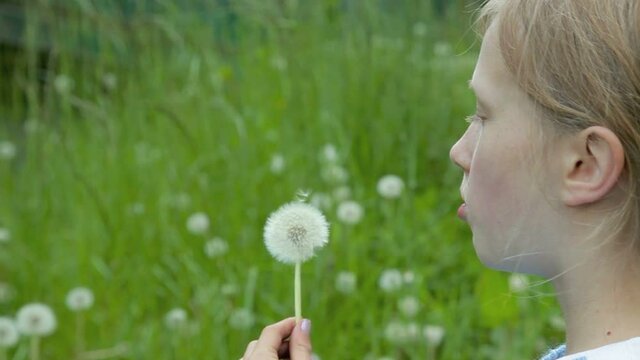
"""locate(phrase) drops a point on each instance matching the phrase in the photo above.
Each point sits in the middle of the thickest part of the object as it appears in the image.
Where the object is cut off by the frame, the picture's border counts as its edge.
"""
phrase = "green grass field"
(138, 122)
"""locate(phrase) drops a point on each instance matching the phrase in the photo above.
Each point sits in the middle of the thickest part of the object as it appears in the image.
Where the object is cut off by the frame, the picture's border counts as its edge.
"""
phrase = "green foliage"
(107, 174)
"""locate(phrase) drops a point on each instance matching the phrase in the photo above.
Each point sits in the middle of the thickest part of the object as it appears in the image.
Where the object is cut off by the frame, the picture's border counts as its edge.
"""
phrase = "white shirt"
(624, 350)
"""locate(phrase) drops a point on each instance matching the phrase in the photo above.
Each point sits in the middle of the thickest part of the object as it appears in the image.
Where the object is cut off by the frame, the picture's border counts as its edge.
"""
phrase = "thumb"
(300, 342)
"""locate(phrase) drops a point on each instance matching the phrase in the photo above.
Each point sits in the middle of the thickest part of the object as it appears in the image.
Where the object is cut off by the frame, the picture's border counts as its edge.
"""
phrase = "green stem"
(297, 294)
(79, 334)
(35, 348)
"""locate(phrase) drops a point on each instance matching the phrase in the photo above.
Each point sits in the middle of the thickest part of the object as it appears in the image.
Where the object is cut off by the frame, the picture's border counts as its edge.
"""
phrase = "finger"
(249, 349)
(273, 335)
(283, 350)
(300, 342)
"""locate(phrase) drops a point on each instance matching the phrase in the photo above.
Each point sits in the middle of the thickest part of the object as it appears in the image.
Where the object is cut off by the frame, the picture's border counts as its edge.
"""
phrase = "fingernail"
(305, 326)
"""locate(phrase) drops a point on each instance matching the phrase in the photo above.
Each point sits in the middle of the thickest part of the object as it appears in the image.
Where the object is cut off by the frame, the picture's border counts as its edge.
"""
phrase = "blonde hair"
(579, 61)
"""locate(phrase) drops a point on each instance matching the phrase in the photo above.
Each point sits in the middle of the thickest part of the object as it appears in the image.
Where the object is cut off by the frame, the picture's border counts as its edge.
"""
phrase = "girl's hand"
(273, 343)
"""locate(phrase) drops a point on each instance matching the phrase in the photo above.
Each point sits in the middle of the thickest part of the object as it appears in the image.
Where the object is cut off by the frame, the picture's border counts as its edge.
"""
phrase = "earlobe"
(593, 164)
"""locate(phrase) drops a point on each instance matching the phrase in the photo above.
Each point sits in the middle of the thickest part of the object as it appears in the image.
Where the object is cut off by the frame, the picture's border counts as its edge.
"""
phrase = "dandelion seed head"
(420, 29)
(5, 235)
(294, 231)
(321, 201)
(335, 174)
(390, 186)
(350, 212)
(36, 319)
(241, 319)
(110, 81)
(329, 153)
(442, 49)
(8, 333)
(390, 280)
(175, 318)
(433, 334)
(198, 223)
(342, 193)
(409, 277)
(277, 164)
(7, 293)
(216, 247)
(79, 299)
(409, 306)
(8, 150)
(396, 332)
(346, 282)
(62, 84)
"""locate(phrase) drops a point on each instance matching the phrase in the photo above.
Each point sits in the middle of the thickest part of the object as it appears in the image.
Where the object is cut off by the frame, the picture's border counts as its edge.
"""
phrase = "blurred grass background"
(127, 117)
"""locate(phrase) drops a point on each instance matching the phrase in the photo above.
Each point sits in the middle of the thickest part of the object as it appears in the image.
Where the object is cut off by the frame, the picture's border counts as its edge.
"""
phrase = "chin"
(497, 260)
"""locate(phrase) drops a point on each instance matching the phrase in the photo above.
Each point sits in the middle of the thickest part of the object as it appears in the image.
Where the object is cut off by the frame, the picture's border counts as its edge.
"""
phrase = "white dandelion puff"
(229, 289)
(8, 333)
(321, 200)
(396, 332)
(62, 84)
(279, 62)
(241, 319)
(420, 29)
(390, 280)
(390, 186)
(5, 235)
(295, 231)
(409, 306)
(36, 319)
(198, 223)
(342, 193)
(80, 298)
(110, 81)
(329, 153)
(216, 247)
(7, 150)
(350, 212)
(442, 49)
(335, 174)
(175, 318)
(433, 334)
(409, 277)
(277, 164)
(518, 282)
(7, 293)
(346, 282)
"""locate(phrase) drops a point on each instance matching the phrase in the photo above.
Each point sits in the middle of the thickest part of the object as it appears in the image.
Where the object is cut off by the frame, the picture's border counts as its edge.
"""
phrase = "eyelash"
(471, 118)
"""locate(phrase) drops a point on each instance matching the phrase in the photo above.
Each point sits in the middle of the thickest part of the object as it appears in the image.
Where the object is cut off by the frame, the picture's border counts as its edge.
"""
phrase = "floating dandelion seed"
(241, 319)
(390, 280)
(79, 299)
(292, 234)
(518, 282)
(175, 318)
(216, 247)
(7, 150)
(409, 306)
(350, 212)
(8, 333)
(277, 164)
(36, 319)
(198, 223)
(346, 282)
(434, 334)
(390, 186)
(5, 235)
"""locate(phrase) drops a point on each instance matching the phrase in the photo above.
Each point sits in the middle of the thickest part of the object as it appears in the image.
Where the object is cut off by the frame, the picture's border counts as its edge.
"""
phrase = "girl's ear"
(592, 163)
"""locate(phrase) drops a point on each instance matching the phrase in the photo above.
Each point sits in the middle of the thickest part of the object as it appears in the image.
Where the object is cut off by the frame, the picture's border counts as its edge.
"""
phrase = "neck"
(600, 300)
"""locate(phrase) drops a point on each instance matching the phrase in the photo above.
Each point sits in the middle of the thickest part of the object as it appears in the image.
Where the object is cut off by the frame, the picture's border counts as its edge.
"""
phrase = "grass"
(105, 178)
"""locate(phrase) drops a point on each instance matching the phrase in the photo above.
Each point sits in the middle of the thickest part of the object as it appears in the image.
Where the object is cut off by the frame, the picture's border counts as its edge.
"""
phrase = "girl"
(551, 163)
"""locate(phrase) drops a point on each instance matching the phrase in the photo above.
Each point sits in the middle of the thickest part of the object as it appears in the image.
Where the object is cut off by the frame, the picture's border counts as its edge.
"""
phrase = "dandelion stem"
(79, 334)
(297, 294)
(35, 347)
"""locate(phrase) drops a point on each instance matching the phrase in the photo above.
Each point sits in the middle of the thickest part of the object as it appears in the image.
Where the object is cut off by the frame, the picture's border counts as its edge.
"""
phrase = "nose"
(461, 152)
